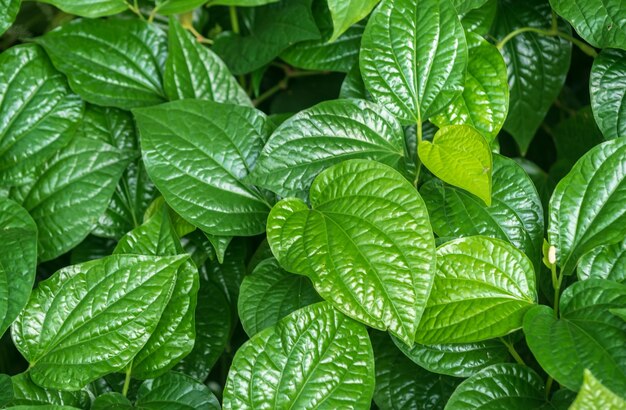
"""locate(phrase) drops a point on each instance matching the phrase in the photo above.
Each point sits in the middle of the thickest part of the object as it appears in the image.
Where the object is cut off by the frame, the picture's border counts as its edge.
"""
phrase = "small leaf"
(607, 87)
(175, 390)
(346, 13)
(604, 262)
(593, 395)
(89, 8)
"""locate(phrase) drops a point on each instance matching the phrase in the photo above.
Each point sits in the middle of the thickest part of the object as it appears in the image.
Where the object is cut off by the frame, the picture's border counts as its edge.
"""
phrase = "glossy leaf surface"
(593, 395)
(607, 87)
(604, 262)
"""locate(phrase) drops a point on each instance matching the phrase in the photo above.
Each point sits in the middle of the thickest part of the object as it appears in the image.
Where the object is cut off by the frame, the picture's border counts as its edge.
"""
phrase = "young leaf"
(414, 57)
(116, 63)
(194, 71)
(585, 336)
(175, 390)
(604, 262)
(89, 8)
(460, 156)
(583, 217)
(27, 393)
(366, 245)
(324, 135)
(91, 319)
(346, 13)
(314, 358)
(11, 8)
(593, 395)
(607, 87)
(482, 289)
(197, 153)
(38, 113)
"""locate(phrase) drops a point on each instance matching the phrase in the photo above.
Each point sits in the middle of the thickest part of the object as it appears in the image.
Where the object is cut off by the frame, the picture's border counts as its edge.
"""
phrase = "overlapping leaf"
(27, 393)
(11, 8)
(593, 395)
(604, 262)
(607, 88)
(89, 8)
(346, 13)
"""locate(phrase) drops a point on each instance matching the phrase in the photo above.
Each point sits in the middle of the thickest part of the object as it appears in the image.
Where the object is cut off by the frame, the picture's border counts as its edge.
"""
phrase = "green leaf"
(89, 8)
(353, 86)
(324, 135)
(109, 401)
(271, 30)
(593, 395)
(269, 294)
(197, 154)
(604, 262)
(585, 336)
(346, 13)
(583, 217)
(91, 319)
(414, 57)
(6, 390)
(175, 390)
(484, 102)
(532, 90)
(515, 214)
(116, 63)
(480, 20)
(227, 276)
(11, 8)
(602, 23)
(607, 87)
(38, 113)
(460, 156)
(366, 245)
(464, 6)
(240, 3)
(573, 137)
(18, 260)
(401, 384)
(314, 358)
(168, 7)
(501, 386)
(219, 244)
(482, 289)
(194, 71)
(26, 392)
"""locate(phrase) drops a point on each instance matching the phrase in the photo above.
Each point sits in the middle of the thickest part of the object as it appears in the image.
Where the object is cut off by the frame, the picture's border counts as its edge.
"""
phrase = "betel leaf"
(26, 392)
(346, 13)
(515, 214)
(413, 57)
(197, 153)
(537, 65)
(484, 102)
(269, 294)
(116, 63)
(240, 3)
(573, 137)
(353, 86)
(229, 275)
(366, 245)
(89, 8)
(314, 358)
(168, 7)
(324, 135)
(81, 176)
(194, 71)
(11, 8)
(401, 384)
(464, 6)
(604, 262)
(501, 386)
(482, 290)
(593, 395)
(460, 156)
(582, 216)
(175, 390)
(600, 22)
(91, 319)
(607, 87)
(585, 336)
(480, 19)
(111, 400)
(38, 113)
(18, 260)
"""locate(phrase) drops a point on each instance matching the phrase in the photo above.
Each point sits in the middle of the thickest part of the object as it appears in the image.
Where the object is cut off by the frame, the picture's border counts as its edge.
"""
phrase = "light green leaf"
(18, 260)
(582, 216)
(26, 392)
(345, 13)
(240, 3)
(11, 8)
(413, 57)
(460, 156)
(91, 319)
(168, 7)
(197, 154)
(38, 113)
(175, 390)
(585, 336)
(314, 358)
(482, 289)
(89, 8)
(366, 245)
(194, 71)
(607, 87)
(484, 102)
(324, 135)
(116, 63)
(269, 294)
(593, 395)
(604, 262)
(501, 386)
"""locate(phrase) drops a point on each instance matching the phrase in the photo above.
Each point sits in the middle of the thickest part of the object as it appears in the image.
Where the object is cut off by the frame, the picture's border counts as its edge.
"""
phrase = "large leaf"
(194, 71)
(38, 113)
(537, 65)
(89, 8)
(482, 289)
(25, 392)
(585, 336)
(11, 8)
(175, 390)
(413, 57)
(197, 153)
(91, 319)
(324, 135)
(314, 358)
(593, 395)
(347, 12)
(515, 214)
(501, 386)
(485, 99)
(582, 216)
(607, 87)
(115, 63)
(366, 245)
(269, 294)
(604, 262)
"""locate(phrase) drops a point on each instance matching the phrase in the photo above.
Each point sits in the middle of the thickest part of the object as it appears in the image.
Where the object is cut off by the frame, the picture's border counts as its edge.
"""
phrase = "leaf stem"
(129, 370)
(553, 31)
(135, 9)
(548, 387)
(234, 20)
(513, 352)
(557, 279)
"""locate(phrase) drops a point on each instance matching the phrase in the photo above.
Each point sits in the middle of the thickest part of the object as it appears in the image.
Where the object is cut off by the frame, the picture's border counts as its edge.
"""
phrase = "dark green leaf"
(353, 86)
(607, 87)
(6, 390)
(111, 401)
(89, 8)
(25, 392)
(175, 390)
(573, 137)
(604, 262)
(480, 20)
